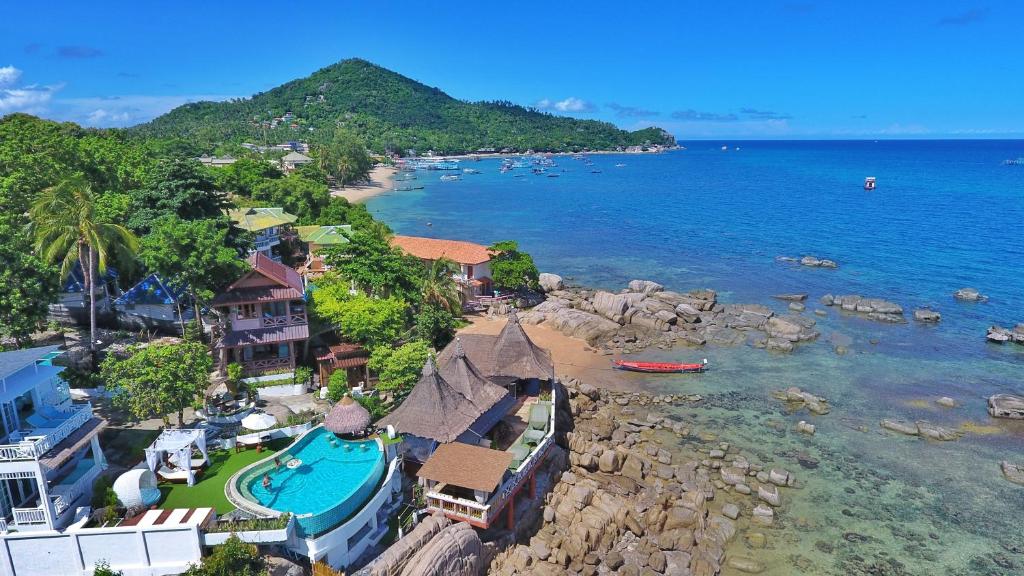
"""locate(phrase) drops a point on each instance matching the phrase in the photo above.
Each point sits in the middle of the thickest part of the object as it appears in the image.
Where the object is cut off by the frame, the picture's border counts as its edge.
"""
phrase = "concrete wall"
(151, 551)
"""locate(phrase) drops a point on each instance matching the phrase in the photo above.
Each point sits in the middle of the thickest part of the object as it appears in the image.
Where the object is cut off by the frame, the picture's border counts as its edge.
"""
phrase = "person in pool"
(277, 462)
(266, 481)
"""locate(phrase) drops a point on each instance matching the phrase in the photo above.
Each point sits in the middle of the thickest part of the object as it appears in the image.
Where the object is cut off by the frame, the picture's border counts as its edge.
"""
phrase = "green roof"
(324, 235)
(256, 219)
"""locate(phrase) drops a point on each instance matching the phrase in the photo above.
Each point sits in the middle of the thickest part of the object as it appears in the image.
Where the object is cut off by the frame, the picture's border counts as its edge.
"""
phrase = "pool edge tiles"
(350, 496)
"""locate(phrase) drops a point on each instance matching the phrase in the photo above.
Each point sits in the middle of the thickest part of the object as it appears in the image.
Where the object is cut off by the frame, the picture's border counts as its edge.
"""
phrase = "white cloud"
(9, 75)
(570, 104)
(119, 111)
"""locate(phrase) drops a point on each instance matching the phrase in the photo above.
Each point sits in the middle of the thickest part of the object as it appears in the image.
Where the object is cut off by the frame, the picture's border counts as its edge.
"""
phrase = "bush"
(234, 377)
(303, 375)
(103, 569)
(399, 368)
(337, 385)
(374, 405)
(435, 325)
(233, 558)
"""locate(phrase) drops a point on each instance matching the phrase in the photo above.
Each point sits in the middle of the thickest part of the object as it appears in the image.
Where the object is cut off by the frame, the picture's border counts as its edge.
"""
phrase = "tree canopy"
(179, 187)
(158, 379)
(399, 368)
(377, 268)
(374, 322)
(28, 284)
(510, 268)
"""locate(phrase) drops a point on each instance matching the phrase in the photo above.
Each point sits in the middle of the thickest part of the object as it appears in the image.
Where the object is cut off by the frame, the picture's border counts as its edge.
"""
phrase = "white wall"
(150, 551)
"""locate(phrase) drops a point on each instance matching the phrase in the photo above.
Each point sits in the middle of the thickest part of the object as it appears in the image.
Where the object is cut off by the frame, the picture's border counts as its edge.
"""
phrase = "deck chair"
(519, 453)
(37, 420)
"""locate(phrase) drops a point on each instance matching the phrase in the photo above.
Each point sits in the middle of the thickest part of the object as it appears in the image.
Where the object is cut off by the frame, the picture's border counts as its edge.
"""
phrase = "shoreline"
(381, 180)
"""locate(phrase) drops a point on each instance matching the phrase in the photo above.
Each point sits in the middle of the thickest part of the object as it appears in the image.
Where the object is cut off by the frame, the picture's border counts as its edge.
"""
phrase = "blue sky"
(797, 69)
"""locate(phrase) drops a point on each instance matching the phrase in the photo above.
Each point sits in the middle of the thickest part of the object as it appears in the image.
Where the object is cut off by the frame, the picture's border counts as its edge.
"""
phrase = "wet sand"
(572, 357)
(381, 181)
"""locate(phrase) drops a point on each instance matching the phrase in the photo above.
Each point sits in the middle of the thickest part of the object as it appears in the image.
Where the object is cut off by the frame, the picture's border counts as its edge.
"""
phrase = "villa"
(481, 424)
(293, 160)
(474, 261)
(267, 224)
(262, 318)
(72, 306)
(316, 239)
(154, 304)
(215, 162)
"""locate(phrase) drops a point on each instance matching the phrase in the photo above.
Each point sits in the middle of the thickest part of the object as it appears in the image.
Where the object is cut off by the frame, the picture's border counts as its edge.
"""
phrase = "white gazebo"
(176, 444)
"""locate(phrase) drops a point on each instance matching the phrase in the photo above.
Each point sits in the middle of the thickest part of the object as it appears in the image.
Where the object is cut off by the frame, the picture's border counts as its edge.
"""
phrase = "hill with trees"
(387, 111)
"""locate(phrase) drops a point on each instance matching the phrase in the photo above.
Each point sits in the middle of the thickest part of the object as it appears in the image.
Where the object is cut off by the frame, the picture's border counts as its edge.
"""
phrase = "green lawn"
(209, 488)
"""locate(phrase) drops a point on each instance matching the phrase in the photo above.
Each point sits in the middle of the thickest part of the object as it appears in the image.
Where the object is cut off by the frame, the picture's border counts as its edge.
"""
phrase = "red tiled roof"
(434, 249)
(264, 336)
(265, 294)
(351, 362)
(276, 271)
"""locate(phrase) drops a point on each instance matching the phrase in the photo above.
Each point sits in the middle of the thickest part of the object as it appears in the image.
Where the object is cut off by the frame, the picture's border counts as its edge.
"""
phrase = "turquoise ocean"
(945, 215)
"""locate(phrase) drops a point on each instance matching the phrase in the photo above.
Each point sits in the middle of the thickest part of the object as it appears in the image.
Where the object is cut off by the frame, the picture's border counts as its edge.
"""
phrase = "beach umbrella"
(258, 421)
(347, 417)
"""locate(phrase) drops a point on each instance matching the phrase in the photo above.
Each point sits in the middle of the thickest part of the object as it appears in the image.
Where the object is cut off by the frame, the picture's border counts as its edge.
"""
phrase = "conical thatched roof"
(516, 356)
(347, 417)
(434, 409)
(464, 376)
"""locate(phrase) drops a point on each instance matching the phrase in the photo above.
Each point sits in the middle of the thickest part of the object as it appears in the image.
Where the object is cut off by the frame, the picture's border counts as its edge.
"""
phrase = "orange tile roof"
(433, 249)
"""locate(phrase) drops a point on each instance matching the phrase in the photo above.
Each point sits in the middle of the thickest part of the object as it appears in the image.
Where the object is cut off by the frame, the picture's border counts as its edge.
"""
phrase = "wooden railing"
(289, 320)
(461, 507)
(266, 364)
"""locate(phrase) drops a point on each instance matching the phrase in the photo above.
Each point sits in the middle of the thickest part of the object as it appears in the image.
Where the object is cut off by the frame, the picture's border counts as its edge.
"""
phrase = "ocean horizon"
(946, 214)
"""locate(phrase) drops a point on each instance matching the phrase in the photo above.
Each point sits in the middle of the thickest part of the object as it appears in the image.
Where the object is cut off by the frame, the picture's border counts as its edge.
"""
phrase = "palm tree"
(439, 287)
(67, 229)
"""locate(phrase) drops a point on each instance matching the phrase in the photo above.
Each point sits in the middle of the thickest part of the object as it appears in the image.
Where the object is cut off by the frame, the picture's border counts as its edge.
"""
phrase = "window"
(246, 311)
(469, 271)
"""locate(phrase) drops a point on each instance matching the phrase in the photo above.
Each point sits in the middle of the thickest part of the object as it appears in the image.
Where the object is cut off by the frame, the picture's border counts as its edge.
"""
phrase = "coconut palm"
(68, 229)
(439, 287)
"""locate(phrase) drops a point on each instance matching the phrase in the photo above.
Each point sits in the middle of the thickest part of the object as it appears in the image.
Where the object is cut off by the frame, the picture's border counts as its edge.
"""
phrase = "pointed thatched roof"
(347, 417)
(516, 356)
(434, 409)
(462, 375)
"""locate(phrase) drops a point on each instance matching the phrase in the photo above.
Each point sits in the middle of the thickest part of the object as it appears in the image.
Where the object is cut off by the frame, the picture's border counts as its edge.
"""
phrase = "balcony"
(32, 444)
(264, 364)
(288, 320)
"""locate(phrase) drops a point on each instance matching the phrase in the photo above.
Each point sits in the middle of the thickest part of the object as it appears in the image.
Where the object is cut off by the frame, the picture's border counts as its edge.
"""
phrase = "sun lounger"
(37, 420)
(174, 475)
(519, 453)
(533, 436)
(539, 416)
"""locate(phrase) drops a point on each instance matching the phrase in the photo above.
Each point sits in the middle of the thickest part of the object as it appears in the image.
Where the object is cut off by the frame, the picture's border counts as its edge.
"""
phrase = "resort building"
(293, 160)
(215, 162)
(352, 358)
(481, 424)
(267, 224)
(262, 318)
(72, 305)
(50, 453)
(154, 304)
(316, 239)
(474, 260)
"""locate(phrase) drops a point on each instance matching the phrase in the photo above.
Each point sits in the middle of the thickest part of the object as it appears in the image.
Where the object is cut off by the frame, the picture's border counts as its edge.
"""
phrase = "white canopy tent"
(179, 443)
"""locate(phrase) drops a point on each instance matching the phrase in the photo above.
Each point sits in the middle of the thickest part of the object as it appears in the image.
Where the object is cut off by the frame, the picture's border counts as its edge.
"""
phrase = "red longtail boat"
(660, 367)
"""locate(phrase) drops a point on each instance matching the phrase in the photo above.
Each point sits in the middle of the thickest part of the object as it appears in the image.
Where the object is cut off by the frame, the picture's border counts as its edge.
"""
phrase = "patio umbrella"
(347, 417)
(258, 421)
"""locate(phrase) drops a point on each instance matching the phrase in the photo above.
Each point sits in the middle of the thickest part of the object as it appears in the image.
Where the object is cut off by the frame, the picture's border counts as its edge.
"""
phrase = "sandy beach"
(381, 179)
(572, 357)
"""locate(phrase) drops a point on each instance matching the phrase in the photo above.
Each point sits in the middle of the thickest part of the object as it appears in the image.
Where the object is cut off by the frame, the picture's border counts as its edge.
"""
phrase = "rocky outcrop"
(1006, 406)
(921, 428)
(927, 316)
(998, 334)
(800, 399)
(550, 282)
(809, 261)
(631, 505)
(1013, 472)
(871, 308)
(395, 558)
(454, 551)
(969, 295)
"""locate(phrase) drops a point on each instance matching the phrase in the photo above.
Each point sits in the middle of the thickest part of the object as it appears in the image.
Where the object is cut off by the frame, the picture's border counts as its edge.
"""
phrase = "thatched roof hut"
(434, 409)
(348, 417)
(516, 356)
(465, 377)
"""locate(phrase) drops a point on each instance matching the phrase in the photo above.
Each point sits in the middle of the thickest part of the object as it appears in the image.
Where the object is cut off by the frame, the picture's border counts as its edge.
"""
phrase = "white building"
(474, 261)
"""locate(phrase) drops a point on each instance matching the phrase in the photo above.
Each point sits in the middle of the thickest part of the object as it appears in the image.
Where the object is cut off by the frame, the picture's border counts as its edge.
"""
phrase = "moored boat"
(869, 183)
(660, 367)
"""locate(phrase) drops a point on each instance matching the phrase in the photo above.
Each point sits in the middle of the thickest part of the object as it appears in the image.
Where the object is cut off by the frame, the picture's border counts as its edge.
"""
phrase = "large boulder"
(394, 559)
(1013, 472)
(550, 282)
(614, 306)
(645, 286)
(1006, 406)
(926, 315)
(969, 295)
(454, 551)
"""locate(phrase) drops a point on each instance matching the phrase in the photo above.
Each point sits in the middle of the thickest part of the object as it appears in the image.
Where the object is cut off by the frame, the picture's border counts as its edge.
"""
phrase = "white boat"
(449, 178)
(869, 183)
(725, 148)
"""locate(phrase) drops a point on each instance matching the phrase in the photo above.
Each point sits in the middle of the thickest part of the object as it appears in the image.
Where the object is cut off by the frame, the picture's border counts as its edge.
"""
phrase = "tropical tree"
(435, 325)
(192, 253)
(398, 368)
(371, 321)
(232, 558)
(377, 268)
(511, 268)
(176, 186)
(27, 284)
(158, 379)
(68, 229)
(439, 288)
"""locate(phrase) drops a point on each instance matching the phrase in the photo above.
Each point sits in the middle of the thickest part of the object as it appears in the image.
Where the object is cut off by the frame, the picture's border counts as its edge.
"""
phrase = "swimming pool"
(332, 480)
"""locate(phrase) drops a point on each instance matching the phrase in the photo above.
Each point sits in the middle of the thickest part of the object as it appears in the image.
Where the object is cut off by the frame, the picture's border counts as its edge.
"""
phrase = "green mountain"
(389, 112)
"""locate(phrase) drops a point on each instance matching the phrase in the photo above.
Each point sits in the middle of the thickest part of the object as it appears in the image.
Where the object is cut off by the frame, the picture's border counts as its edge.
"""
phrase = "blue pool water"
(334, 479)
(945, 215)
